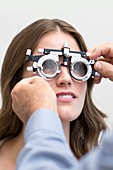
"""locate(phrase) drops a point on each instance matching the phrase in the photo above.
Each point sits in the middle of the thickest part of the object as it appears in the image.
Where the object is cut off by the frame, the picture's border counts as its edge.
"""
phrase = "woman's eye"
(49, 67)
(80, 69)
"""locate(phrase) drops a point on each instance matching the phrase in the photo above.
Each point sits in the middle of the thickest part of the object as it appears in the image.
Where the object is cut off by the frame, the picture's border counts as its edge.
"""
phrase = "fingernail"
(98, 65)
(88, 54)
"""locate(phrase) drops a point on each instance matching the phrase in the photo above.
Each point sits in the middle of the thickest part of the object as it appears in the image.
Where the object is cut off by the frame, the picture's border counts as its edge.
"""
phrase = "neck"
(66, 127)
(11, 148)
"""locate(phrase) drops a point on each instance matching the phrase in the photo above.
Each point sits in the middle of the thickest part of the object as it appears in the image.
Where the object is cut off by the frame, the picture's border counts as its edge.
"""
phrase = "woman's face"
(70, 93)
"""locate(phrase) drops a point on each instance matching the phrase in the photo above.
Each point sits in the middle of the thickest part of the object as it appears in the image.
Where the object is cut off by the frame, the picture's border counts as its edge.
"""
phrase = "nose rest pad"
(63, 65)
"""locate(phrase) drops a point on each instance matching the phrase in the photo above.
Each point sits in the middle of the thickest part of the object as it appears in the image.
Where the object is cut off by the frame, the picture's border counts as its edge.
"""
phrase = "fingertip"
(98, 66)
(97, 81)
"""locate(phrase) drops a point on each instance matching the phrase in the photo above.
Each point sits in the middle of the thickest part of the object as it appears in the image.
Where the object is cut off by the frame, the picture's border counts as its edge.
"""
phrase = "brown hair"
(85, 130)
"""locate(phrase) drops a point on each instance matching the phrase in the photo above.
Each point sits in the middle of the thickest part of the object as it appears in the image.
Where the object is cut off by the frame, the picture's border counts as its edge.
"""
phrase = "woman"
(81, 120)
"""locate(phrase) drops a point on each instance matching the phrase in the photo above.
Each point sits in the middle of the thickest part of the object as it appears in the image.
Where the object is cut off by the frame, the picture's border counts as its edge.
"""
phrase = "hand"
(31, 94)
(104, 65)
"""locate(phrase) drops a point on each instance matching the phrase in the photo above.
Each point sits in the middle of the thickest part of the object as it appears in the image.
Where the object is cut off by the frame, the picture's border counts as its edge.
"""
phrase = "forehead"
(55, 40)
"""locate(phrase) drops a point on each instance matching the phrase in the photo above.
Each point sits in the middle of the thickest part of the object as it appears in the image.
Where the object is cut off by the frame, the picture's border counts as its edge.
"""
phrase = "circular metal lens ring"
(88, 66)
(55, 59)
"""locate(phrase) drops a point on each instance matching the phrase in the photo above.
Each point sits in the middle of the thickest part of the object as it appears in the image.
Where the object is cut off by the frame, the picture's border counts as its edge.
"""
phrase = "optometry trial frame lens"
(48, 66)
(81, 69)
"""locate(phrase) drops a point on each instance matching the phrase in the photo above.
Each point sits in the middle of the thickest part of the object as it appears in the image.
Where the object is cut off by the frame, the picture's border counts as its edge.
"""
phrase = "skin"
(63, 84)
(104, 65)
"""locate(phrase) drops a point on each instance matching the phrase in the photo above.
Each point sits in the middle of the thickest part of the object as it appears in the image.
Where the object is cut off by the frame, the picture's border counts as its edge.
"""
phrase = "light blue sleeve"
(100, 158)
(46, 147)
(45, 144)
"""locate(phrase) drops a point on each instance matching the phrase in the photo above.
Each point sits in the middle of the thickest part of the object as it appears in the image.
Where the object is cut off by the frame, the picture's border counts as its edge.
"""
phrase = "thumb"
(104, 68)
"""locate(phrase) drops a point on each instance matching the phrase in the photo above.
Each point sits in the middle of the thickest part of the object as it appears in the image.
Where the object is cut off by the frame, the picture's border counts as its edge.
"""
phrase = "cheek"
(82, 92)
(27, 74)
(83, 88)
(52, 83)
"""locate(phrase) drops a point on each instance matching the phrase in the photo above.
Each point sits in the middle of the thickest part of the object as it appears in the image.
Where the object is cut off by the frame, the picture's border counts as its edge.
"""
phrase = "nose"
(64, 78)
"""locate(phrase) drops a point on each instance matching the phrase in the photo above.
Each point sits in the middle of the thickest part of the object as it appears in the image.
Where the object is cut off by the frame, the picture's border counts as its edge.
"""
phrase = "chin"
(68, 115)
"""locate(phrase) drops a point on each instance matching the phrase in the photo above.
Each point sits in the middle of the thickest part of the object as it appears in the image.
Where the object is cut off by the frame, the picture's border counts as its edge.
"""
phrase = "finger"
(35, 79)
(20, 86)
(97, 79)
(30, 80)
(105, 69)
(105, 50)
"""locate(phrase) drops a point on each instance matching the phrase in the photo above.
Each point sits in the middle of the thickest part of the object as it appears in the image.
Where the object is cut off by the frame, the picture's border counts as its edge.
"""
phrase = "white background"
(92, 18)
